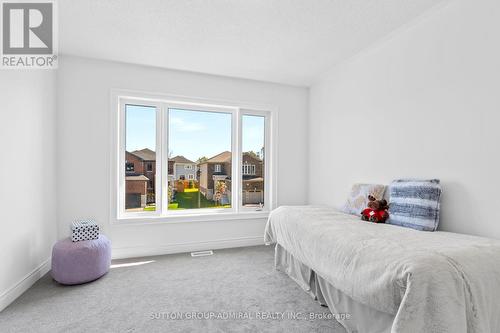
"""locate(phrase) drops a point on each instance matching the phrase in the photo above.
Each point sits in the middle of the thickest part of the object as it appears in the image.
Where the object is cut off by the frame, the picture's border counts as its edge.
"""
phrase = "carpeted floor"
(160, 294)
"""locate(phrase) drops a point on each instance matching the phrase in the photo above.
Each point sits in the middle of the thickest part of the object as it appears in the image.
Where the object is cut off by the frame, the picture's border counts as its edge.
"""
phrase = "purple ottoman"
(80, 262)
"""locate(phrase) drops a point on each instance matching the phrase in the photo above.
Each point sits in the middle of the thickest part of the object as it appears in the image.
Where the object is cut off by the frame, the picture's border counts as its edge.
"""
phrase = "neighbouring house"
(218, 168)
(136, 191)
(253, 179)
(143, 163)
(182, 168)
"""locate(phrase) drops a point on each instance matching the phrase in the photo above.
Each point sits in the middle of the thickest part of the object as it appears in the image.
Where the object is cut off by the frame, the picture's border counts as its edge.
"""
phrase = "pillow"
(415, 204)
(358, 199)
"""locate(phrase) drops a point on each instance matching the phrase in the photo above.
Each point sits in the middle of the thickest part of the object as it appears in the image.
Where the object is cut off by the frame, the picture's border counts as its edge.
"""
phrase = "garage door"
(133, 200)
(251, 197)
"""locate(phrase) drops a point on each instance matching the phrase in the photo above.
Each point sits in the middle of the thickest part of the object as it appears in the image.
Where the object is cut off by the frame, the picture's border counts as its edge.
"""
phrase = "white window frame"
(119, 98)
(190, 176)
(217, 168)
(188, 167)
(121, 151)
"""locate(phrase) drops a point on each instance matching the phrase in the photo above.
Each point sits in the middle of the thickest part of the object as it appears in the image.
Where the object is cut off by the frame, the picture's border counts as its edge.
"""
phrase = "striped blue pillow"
(415, 203)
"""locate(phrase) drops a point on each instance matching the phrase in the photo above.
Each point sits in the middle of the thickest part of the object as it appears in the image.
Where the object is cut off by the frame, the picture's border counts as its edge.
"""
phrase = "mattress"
(427, 281)
(352, 315)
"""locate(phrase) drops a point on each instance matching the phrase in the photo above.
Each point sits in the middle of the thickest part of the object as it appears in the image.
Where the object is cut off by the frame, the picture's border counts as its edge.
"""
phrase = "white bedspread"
(431, 281)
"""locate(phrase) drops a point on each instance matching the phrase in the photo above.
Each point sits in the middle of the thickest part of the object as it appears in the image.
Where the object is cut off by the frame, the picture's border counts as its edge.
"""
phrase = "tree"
(253, 154)
(220, 190)
(201, 160)
(170, 192)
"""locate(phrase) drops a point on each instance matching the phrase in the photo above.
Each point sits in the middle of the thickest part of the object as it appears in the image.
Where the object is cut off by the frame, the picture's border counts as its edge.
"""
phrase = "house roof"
(253, 180)
(139, 177)
(255, 157)
(220, 158)
(146, 154)
(226, 157)
(181, 159)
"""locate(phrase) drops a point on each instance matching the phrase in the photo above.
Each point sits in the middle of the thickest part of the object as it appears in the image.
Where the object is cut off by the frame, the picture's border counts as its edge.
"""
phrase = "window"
(197, 134)
(248, 169)
(140, 141)
(253, 137)
(227, 147)
(129, 166)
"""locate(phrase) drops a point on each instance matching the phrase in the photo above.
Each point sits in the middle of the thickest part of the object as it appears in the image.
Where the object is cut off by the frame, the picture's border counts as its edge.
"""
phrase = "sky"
(193, 134)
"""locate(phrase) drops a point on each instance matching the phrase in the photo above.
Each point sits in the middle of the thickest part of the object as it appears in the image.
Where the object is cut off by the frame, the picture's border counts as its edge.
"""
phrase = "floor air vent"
(202, 253)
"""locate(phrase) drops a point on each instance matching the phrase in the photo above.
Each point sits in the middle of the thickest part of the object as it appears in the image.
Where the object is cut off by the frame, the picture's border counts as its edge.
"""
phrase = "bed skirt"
(354, 316)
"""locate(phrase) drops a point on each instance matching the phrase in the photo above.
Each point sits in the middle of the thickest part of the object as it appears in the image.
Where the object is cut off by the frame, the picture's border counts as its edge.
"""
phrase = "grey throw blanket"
(431, 281)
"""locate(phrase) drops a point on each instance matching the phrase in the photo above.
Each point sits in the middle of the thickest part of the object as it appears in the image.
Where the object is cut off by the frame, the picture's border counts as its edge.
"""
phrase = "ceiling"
(284, 41)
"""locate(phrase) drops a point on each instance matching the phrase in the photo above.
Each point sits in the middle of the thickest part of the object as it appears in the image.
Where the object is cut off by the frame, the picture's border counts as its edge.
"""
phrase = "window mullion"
(158, 162)
(237, 167)
(268, 172)
(163, 136)
(121, 158)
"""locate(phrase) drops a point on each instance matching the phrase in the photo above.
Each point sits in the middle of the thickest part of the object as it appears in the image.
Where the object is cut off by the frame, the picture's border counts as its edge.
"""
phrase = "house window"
(129, 166)
(248, 169)
(230, 139)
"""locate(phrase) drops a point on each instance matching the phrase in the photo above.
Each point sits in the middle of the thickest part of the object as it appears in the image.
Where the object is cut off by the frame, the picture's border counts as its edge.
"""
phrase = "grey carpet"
(140, 298)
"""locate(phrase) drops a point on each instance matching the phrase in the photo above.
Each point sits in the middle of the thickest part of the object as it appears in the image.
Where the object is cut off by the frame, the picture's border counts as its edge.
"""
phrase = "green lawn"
(152, 208)
(188, 200)
(173, 205)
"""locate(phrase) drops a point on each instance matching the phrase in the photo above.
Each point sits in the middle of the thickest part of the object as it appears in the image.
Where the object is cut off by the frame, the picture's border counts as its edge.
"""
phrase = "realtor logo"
(28, 34)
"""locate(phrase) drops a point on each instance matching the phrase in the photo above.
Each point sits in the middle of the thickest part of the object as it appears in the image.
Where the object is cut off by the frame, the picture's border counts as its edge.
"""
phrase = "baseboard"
(24, 284)
(146, 251)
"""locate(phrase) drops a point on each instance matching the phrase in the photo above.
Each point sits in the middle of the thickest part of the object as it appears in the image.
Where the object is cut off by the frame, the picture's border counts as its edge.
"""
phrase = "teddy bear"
(376, 211)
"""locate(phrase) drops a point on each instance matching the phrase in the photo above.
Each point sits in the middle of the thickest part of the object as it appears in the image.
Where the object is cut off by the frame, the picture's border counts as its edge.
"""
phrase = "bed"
(386, 278)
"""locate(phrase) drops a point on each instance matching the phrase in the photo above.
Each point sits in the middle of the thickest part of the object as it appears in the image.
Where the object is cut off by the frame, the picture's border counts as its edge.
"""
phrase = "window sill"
(189, 218)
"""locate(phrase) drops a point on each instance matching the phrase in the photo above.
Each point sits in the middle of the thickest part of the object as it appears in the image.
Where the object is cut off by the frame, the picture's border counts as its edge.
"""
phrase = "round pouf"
(80, 262)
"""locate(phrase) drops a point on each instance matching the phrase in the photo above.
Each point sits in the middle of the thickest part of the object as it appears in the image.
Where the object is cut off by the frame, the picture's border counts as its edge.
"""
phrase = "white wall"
(27, 178)
(84, 88)
(423, 103)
